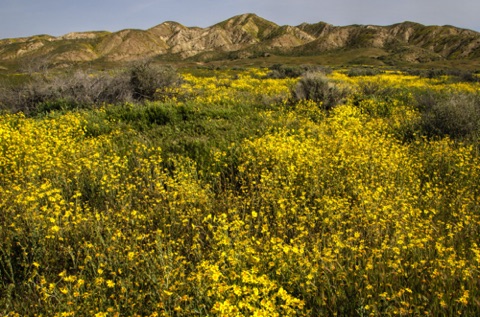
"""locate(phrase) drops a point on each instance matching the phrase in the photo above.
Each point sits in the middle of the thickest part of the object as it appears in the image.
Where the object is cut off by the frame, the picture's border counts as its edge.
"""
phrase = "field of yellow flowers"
(232, 198)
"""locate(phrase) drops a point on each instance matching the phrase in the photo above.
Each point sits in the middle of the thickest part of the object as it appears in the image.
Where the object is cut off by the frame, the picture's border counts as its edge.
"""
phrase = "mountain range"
(245, 36)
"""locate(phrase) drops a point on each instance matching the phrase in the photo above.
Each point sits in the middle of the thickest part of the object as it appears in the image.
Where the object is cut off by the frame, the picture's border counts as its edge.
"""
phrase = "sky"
(20, 18)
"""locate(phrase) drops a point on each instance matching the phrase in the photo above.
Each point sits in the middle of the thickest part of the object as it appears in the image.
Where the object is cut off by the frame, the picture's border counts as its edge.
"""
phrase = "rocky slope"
(246, 35)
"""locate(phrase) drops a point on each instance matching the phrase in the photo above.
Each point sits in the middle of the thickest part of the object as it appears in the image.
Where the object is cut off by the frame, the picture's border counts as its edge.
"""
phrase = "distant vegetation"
(209, 191)
(47, 91)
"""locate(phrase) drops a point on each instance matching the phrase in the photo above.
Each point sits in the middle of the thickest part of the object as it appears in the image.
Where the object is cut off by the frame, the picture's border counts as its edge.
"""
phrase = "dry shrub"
(319, 88)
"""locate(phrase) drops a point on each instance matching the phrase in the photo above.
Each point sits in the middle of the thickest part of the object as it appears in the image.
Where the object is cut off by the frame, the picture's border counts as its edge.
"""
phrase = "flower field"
(232, 198)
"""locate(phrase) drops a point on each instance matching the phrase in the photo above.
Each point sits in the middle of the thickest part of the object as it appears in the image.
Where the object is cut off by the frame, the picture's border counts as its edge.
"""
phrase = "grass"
(231, 198)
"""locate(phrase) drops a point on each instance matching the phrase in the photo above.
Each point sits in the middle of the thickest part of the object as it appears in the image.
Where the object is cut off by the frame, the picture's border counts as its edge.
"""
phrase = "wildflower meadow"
(230, 195)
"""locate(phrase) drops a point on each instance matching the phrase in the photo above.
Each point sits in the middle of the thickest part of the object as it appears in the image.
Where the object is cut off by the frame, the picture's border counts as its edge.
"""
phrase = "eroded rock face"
(29, 47)
(244, 34)
(78, 36)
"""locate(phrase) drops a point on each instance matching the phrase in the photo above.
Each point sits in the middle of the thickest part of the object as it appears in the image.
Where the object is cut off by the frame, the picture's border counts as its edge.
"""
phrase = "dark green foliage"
(182, 129)
(55, 105)
(143, 116)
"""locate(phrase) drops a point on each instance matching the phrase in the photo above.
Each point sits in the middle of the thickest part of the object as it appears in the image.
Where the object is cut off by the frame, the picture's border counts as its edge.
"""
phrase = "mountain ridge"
(244, 36)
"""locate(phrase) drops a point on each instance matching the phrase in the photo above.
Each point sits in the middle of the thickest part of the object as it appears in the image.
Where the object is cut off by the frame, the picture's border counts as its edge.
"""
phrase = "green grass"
(251, 204)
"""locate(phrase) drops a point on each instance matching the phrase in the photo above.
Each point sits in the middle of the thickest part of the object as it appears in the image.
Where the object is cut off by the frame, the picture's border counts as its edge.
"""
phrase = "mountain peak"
(168, 24)
(245, 18)
(246, 35)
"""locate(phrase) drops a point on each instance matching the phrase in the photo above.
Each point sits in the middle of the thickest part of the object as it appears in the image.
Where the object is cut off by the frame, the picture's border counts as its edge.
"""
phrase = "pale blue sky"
(57, 17)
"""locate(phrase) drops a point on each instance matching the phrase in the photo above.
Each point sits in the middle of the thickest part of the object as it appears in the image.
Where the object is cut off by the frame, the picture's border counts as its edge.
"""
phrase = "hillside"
(246, 36)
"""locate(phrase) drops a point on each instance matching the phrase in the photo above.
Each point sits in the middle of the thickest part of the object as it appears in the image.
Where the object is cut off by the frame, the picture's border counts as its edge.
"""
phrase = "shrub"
(148, 81)
(457, 75)
(317, 87)
(374, 88)
(279, 71)
(363, 71)
(455, 115)
(285, 71)
(83, 88)
(80, 89)
(26, 96)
